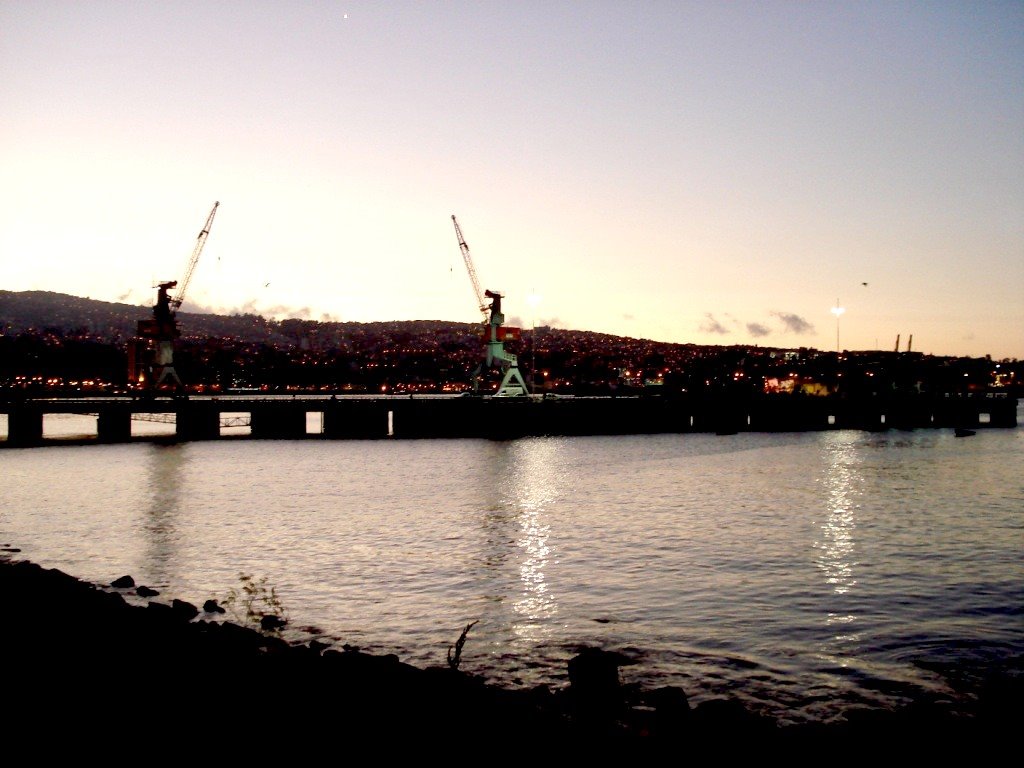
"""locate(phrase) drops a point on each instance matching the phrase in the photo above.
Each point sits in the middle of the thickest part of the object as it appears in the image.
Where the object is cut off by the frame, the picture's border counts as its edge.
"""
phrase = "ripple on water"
(801, 573)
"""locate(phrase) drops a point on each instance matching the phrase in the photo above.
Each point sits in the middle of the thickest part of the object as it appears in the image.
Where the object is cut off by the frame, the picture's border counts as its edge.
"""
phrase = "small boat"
(962, 432)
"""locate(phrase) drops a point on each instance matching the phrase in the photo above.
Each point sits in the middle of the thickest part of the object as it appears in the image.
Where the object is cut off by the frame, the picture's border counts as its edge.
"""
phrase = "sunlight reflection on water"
(842, 482)
(533, 482)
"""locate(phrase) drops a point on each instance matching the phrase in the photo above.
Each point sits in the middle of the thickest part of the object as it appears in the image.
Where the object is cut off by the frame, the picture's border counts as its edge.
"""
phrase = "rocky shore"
(82, 661)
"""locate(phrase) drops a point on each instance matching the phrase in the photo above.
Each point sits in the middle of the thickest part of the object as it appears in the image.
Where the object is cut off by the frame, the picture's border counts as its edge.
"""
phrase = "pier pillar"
(355, 419)
(1002, 412)
(114, 425)
(197, 420)
(278, 422)
(457, 417)
(724, 415)
(25, 426)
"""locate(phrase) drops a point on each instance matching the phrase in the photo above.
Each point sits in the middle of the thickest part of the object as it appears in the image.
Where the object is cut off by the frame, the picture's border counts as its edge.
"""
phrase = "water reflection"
(837, 544)
(528, 479)
(160, 524)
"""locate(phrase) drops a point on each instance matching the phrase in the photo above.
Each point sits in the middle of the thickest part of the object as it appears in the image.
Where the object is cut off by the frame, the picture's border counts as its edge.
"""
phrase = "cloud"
(794, 323)
(756, 329)
(191, 307)
(281, 311)
(711, 325)
(628, 317)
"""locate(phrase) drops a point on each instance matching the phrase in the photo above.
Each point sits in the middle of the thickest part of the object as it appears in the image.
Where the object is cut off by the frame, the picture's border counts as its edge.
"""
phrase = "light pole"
(837, 311)
(533, 300)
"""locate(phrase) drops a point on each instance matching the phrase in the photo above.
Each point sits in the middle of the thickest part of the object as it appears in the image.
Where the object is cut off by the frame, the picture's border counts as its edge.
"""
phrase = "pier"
(345, 417)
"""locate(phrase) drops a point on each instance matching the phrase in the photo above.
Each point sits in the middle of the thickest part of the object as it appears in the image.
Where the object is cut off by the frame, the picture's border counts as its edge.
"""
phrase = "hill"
(53, 337)
(37, 311)
(48, 335)
(26, 311)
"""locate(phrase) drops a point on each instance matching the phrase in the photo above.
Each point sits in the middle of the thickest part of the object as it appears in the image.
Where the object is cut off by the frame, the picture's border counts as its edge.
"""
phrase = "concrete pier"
(25, 426)
(279, 423)
(355, 419)
(197, 419)
(506, 418)
(114, 424)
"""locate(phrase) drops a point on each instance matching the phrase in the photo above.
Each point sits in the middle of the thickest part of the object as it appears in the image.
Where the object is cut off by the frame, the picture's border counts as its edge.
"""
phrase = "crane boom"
(200, 242)
(477, 293)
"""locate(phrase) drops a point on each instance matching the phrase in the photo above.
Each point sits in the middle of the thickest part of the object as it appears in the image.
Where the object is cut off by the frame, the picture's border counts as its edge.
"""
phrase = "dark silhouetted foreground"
(85, 667)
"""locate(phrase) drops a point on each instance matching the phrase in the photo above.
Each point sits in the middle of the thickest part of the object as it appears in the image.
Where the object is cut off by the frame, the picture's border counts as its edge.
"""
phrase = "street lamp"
(533, 299)
(837, 311)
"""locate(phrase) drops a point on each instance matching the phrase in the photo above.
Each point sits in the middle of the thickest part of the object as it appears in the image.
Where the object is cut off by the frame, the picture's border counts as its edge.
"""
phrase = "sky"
(688, 172)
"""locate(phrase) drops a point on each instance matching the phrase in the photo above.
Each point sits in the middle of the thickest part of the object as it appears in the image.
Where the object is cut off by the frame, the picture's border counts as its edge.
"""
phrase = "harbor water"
(804, 574)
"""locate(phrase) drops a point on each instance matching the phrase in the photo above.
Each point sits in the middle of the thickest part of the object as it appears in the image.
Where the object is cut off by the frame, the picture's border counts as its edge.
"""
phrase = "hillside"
(26, 311)
(47, 335)
(60, 339)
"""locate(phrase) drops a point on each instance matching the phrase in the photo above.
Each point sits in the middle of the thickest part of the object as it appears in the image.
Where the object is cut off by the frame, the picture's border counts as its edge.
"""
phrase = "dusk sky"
(706, 172)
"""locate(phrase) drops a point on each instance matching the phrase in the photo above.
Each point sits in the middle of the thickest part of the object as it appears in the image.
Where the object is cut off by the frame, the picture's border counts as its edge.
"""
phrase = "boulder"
(594, 688)
(595, 672)
(211, 606)
(270, 622)
(184, 610)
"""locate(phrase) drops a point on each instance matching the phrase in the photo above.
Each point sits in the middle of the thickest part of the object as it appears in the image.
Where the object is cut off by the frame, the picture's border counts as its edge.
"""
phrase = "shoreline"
(72, 646)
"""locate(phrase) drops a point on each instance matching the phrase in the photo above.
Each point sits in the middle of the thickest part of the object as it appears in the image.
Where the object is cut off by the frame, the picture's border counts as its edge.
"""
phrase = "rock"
(144, 591)
(593, 671)
(726, 716)
(211, 606)
(160, 610)
(184, 609)
(125, 582)
(671, 711)
(271, 622)
(594, 685)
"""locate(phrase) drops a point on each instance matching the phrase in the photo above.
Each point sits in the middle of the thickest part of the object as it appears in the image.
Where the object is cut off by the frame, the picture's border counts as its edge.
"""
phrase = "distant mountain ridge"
(21, 311)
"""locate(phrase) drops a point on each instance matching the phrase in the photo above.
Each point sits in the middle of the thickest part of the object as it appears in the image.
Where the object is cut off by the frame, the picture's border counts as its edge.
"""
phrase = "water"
(803, 574)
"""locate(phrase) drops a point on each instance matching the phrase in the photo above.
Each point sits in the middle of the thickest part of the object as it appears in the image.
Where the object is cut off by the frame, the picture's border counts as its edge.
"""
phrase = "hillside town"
(64, 345)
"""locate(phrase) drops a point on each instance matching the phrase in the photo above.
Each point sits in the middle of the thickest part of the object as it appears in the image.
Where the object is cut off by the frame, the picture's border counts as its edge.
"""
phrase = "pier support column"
(269, 421)
(355, 419)
(25, 427)
(114, 425)
(197, 420)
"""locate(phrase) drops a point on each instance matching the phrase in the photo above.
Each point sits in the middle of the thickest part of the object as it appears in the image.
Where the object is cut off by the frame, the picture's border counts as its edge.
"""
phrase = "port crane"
(495, 332)
(157, 334)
